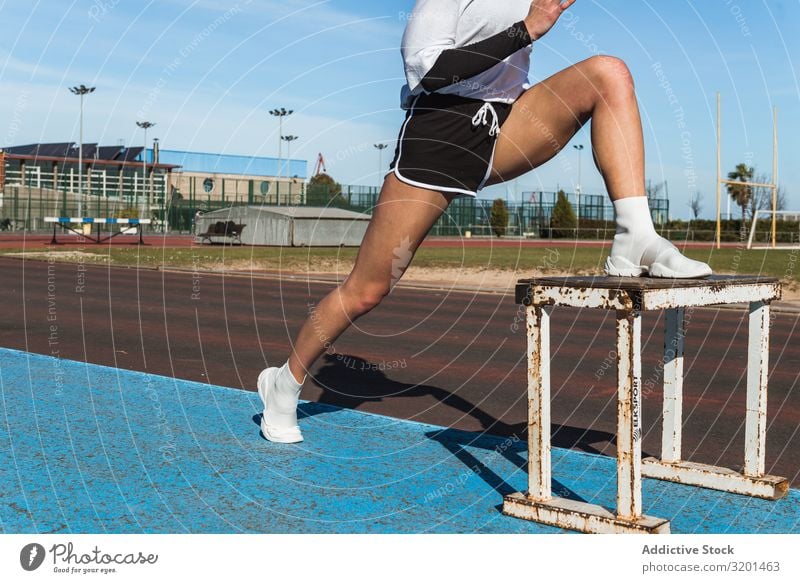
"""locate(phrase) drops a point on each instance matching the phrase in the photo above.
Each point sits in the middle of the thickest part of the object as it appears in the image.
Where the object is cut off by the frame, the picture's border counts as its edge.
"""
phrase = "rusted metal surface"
(639, 284)
(716, 478)
(629, 297)
(673, 385)
(629, 415)
(539, 471)
(613, 295)
(689, 297)
(757, 370)
(608, 299)
(581, 516)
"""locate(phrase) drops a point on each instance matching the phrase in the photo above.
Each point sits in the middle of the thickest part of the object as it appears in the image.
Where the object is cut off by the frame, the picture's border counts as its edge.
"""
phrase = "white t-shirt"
(437, 25)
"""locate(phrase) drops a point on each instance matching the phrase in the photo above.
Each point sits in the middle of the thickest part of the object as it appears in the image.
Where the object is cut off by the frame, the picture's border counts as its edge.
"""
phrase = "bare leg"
(546, 117)
(549, 114)
(401, 220)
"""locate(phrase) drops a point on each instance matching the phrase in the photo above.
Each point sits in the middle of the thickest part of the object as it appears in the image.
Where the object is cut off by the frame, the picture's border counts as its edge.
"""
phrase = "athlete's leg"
(400, 221)
(549, 114)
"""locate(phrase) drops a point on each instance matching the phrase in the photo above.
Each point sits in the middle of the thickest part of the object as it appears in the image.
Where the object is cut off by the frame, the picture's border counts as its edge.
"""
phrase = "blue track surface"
(87, 449)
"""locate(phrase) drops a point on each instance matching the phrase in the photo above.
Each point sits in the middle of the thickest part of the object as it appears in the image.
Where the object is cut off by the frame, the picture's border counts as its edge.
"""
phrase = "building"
(108, 171)
(39, 180)
(210, 177)
(290, 226)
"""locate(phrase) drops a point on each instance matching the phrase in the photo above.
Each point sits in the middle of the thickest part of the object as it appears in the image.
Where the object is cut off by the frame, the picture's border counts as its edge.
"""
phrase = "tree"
(653, 191)
(563, 221)
(781, 199)
(762, 196)
(696, 204)
(498, 217)
(741, 193)
(323, 187)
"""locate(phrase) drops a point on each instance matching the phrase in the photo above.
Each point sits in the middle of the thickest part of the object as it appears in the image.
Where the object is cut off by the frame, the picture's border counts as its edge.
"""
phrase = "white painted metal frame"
(753, 481)
(539, 505)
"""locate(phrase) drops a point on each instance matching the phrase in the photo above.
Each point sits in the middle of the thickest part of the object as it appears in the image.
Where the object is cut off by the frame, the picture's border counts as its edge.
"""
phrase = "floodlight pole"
(145, 125)
(289, 140)
(380, 147)
(719, 170)
(578, 147)
(80, 91)
(280, 114)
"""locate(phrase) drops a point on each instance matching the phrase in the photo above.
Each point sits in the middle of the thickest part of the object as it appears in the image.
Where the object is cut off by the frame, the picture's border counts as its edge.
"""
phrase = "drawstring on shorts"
(481, 118)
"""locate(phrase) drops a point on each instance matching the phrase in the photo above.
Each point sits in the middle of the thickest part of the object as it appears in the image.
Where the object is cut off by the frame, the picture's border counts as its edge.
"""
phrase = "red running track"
(455, 359)
(37, 241)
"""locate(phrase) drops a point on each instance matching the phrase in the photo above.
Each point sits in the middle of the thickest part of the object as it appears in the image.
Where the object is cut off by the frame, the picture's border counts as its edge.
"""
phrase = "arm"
(431, 58)
(433, 61)
(468, 61)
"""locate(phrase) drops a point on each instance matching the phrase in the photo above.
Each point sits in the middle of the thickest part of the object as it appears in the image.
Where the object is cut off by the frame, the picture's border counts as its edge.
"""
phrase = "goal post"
(762, 224)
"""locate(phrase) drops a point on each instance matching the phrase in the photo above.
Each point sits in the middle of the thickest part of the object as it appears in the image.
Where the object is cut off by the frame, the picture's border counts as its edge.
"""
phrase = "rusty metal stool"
(629, 297)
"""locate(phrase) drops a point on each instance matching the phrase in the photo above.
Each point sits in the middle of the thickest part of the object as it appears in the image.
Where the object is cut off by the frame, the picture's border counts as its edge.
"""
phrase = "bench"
(67, 222)
(228, 231)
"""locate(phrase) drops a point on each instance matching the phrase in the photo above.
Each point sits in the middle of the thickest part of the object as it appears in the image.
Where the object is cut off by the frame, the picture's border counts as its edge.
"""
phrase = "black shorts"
(447, 143)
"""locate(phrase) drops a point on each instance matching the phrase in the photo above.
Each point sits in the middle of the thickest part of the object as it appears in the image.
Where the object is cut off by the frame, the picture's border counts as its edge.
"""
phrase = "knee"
(360, 299)
(611, 77)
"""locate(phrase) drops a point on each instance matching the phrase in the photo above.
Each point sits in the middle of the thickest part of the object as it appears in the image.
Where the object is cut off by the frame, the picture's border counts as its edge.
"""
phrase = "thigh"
(543, 120)
(400, 221)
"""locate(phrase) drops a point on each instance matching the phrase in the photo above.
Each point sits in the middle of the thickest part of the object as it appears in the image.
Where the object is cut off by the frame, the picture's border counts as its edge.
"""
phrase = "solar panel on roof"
(108, 152)
(58, 150)
(129, 154)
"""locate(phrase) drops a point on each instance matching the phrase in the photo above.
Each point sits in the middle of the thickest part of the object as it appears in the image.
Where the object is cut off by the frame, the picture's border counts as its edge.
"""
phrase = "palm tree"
(741, 193)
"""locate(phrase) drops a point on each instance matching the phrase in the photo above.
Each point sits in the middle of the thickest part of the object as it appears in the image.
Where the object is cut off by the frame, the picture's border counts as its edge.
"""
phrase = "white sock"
(282, 398)
(635, 230)
(637, 247)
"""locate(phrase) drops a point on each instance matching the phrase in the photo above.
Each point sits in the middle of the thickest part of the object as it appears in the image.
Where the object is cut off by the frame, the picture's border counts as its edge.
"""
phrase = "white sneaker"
(266, 383)
(618, 266)
(661, 259)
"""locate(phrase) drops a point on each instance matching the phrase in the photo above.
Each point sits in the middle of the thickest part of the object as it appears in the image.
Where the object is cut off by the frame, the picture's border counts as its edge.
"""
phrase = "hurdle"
(67, 222)
(629, 298)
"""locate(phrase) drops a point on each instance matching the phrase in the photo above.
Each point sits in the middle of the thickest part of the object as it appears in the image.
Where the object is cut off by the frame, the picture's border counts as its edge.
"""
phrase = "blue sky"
(208, 72)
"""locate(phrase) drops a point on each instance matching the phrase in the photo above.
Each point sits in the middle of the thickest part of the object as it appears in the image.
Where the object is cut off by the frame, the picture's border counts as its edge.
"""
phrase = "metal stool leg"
(629, 415)
(539, 465)
(538, 504)
(753, 481)
(673, 386)
(757, 371)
